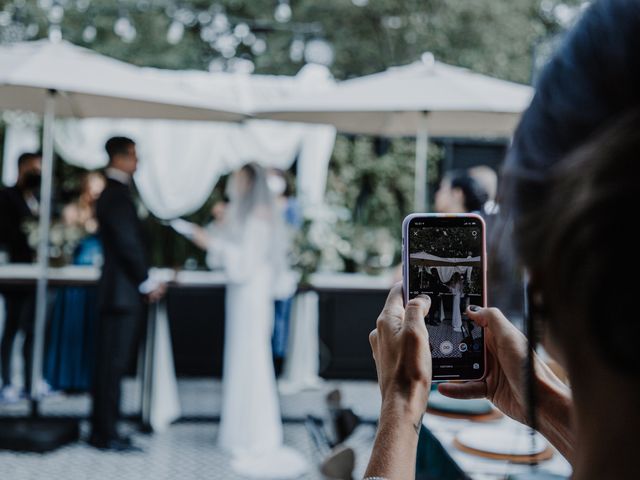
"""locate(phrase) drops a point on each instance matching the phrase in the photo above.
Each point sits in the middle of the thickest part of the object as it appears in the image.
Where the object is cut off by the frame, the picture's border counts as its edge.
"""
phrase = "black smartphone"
(444, 256)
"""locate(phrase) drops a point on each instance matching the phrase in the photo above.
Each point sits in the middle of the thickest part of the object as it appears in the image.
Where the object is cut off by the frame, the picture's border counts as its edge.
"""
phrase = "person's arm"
(400, 345)
(201, 238)
(504, 384)
(240, 256)
(554, 416)
(191, 231)
(394, 450)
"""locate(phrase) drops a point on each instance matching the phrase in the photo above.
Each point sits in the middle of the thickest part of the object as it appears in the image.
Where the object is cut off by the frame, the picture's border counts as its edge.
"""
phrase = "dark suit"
(434, 289)
(14, 211)
(121, 305)
(19, 302)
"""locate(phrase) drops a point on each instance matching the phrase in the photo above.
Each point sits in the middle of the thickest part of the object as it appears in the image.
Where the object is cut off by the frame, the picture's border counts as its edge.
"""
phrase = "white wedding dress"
(250, 423)
(456, 319)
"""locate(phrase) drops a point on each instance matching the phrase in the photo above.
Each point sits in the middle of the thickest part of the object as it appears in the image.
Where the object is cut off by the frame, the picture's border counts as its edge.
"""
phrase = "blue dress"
(282, 307)
(70, 353)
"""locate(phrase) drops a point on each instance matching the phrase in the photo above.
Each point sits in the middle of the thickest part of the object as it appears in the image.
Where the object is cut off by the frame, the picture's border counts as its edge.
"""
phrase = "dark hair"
(474, 195)
(118, 146)
(566, 196)
(27, 157)
(590, 82)
(251, 170)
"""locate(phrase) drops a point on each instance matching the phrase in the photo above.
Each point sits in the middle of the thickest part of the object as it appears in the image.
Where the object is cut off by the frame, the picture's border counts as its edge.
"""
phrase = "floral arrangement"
(329, 241)
(63, 240)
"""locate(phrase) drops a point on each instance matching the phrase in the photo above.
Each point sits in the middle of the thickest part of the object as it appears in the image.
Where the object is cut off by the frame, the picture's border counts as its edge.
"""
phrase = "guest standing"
(287, 282)
(70, 353)
(246, 247)
(19, 205)
(124, 284)
(460, 193)
(487, 178)
(434, 288)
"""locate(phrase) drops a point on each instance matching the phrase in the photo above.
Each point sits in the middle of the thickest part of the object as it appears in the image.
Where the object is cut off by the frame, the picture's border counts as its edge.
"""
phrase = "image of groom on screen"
(124, 287)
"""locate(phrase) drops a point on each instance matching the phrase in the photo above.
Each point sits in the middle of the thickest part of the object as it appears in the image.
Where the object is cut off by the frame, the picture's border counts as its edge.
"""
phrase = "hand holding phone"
(444, 256)
(399, 348)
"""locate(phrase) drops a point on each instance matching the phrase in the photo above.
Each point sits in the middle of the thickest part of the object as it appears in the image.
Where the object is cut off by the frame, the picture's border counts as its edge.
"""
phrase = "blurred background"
(346, 194)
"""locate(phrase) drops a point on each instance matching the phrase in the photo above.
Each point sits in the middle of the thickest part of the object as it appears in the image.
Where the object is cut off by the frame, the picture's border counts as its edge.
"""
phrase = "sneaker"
(44, 390)
(10, 394)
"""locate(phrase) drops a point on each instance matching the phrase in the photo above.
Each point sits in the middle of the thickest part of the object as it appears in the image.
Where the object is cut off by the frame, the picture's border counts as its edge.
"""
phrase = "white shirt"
(118, 175)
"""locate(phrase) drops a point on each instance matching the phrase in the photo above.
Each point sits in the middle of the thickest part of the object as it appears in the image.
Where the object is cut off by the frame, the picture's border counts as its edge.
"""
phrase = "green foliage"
(377, 188)
(496, 37)
(490, 36)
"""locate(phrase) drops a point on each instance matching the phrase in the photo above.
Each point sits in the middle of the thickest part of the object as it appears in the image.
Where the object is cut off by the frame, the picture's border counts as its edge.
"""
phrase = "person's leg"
(27, 324)
(278, 324)
(281, 327)
(287, 322)
(127, 335)
(102, 425)
(13, 302)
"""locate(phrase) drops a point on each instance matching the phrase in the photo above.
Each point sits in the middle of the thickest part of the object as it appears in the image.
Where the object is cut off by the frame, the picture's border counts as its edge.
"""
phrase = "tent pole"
(422, 145)
(43, 250)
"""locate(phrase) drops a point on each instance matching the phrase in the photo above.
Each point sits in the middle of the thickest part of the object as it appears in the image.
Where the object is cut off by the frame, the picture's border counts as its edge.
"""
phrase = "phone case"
(405, 276)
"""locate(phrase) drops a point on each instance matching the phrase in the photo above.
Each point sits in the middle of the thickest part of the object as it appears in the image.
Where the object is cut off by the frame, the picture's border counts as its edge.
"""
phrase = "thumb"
(492, 319)
(464, 390)
(416, 309)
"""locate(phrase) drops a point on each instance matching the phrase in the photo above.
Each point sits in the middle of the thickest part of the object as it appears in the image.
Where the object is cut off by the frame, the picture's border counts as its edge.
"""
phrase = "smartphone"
(444, 256)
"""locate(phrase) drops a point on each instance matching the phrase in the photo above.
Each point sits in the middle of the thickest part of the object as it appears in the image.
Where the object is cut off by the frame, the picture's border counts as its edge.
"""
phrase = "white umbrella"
(66, 80)
(425, 97)
(92, 85)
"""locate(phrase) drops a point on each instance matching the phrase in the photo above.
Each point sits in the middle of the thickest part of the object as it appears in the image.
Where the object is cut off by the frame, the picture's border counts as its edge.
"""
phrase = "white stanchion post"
(302, 364)
(422, 146)
(43, 249)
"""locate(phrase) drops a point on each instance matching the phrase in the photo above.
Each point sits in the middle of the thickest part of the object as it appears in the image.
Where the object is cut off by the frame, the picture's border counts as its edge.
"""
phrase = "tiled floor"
(187, 449)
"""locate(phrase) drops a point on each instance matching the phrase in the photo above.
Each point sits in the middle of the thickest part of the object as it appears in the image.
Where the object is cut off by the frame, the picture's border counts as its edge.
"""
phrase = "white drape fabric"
(165, 403)
(19, 138)
(302, 364)
(445, 273)
(182, 160)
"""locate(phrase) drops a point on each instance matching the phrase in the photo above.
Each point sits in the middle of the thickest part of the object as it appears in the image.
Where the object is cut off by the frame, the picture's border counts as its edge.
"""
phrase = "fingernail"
(426, 298)
(474, 308)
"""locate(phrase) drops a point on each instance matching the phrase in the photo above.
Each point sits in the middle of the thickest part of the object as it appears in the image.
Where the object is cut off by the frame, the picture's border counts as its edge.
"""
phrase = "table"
(445, 429)
(156, 369)
(159, 391)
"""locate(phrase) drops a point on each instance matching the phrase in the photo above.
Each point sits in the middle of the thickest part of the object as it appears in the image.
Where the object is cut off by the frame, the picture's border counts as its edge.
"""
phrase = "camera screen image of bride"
(445, 261)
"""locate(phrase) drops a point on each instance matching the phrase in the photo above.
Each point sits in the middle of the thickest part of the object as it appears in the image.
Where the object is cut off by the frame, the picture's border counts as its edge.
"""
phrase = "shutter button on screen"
(446, 347)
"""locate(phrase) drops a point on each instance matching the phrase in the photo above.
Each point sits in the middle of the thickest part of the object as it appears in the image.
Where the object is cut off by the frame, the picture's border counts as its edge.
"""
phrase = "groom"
(123, 288)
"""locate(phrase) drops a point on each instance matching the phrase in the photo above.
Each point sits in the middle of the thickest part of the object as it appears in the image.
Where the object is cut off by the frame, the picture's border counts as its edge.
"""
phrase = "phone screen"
(444, 258)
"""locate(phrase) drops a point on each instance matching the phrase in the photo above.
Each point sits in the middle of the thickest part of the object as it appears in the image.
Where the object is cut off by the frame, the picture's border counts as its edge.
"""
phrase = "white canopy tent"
(425, 258)
(420, 99)
(92, 85)
(445, 267)
(62, 79)
(181, 161)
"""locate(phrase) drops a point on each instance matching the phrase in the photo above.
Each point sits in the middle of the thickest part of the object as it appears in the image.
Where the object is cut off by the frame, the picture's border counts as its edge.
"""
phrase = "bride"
(457, 289)
(248, 246)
